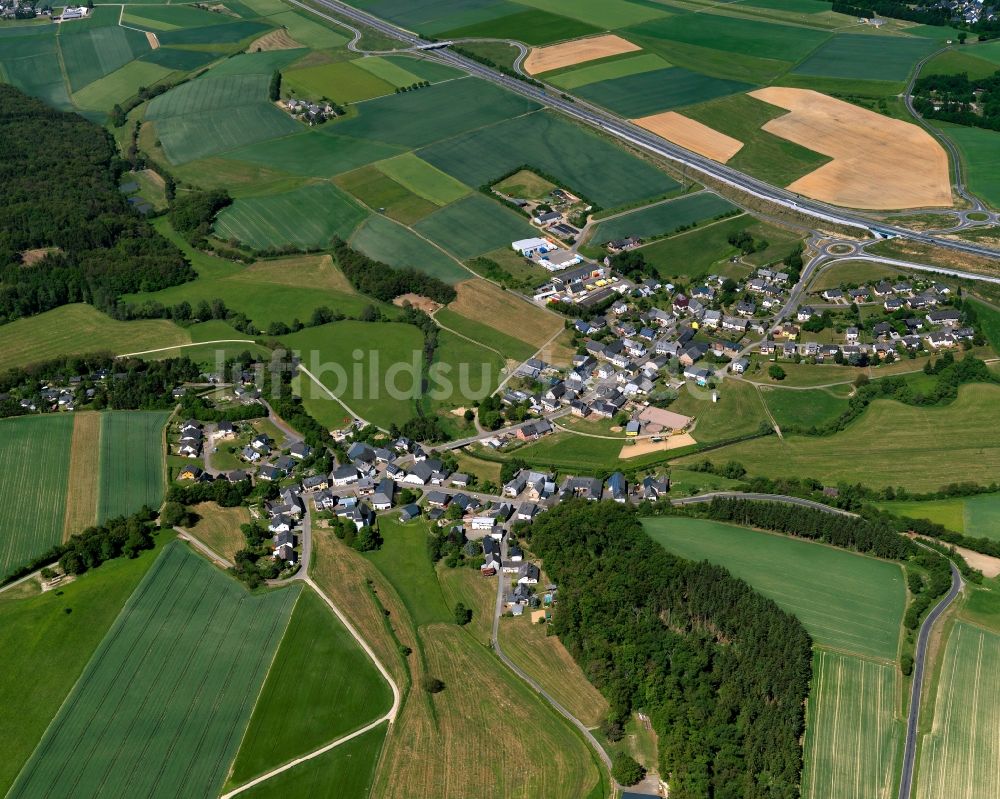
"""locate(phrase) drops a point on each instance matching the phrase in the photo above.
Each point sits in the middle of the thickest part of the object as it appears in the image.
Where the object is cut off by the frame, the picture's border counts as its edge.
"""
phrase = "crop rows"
(131, 462)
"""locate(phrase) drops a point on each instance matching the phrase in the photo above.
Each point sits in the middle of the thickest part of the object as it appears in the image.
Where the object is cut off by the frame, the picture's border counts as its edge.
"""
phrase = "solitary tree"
(463, 615)
(776, 372)
(431, 684)
(626, 770)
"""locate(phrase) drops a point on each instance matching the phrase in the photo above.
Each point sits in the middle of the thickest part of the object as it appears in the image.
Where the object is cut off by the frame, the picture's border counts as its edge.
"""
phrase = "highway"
(916, 689)
(627, 132)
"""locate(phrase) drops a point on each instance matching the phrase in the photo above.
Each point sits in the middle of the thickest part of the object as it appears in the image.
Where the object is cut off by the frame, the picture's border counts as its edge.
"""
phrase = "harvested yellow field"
(310, 271)
(647, 445)
(279, 39)
(219, 528)
(84, 474)
(691, 135)
(154, 42)
(488, 304)
(878, 163)
(566, 54)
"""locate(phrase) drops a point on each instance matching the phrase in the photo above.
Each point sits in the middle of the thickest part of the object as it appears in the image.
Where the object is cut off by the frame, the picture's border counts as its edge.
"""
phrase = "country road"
(916, 689)
(785, 500)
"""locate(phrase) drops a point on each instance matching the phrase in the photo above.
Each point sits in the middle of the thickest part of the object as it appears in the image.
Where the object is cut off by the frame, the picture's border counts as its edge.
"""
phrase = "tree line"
(722, 671)
(383, 282)
(60, 177)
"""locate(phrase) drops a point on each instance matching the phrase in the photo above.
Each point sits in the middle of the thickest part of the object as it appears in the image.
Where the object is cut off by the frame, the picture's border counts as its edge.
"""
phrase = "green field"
(165, 18)
(385, 195)
(77, 329)
(419, 118)
(602, 13)
(979, 148)
(98, 51)
(533, 27)
(606, 69)
(308, 30)
(313, 154)
(763, 154)
(328, 352)
(891, 444)
(852, 736)
(209, 93)
(804, 408)
(345, 772)
(955, 62)
(738, 412)
(307, 218)
(404, 562)
(651, 92)
(175, 58)
(977, 516)
(852, 273)
(34, 461)
(658, 220)
(391, 70)
(263, 63)
(181, 665)
(861, 57)
(468, 371)
(422, 179)
(473, 226)
(847, 602)
(47, 647)
(393, 244)
(959, 755)
(511, 347)
(301, 709)
(743, 37)
(131, 462)
(570, 452)
(222, 34)
(580, 160)
(197, 135)
(340, 81)
(120, 85)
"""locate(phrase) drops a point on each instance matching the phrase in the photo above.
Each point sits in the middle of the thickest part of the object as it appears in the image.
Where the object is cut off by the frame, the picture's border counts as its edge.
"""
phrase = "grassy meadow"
(658, 220)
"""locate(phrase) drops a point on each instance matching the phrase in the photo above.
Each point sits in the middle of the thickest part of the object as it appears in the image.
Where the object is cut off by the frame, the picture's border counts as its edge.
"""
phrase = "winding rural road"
(916, 690)
(639, 137)
(785, 500)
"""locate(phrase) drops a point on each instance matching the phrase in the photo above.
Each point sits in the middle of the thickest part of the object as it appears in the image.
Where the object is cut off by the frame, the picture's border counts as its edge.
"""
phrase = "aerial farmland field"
(34, 459)
(300, 709)
(341, 81)
(959, 755)
(422, 179)
(314, 154)
(393, 244)
(473, 226)
(848, 602)
(189, 634)
(574, 77)
(658, 220)
(385, 195)
(196, 135)
(131, 462)
(649, 92)
(308, 218)
(862, 57)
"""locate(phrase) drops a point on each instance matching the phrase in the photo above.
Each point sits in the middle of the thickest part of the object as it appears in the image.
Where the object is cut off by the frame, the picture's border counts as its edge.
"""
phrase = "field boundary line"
(191, 344)
(333, 396)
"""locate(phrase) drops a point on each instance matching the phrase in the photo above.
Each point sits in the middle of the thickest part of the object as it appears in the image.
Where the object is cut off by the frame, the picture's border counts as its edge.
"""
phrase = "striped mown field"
(34, 464)
(960, 756)
(852, 735)
(132, 455)
(161, 707)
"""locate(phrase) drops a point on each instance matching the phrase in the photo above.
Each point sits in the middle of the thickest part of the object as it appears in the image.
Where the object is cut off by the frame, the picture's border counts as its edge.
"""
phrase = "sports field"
(48, 648)
(649, 92)
(161, 706)
(132, 454)
(301, 709)
(658, 220)
(77, 329)
(393, 244)
(328, 352)
(34, 460)
(308, 218)
(848, 602)
(345, 772)
(856, 56)
(580, 160)
(960, 754)
(473, 226)
(852, 735)
(891, 444)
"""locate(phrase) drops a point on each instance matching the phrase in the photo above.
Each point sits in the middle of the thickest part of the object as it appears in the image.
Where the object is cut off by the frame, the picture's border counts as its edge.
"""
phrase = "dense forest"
(722, 671)
(957, 99)
(384, 283)
(60, 174)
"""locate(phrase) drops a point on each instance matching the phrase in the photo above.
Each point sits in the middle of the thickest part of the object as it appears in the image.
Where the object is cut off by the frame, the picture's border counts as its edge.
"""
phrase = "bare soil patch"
(692, 135)
(556, 56)
(425, 304)
(647, 445)
(84, 474)
(32, 257)
(279, 39)
(878, 163)
(488, 304)
(154, 43)
(988, 565)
